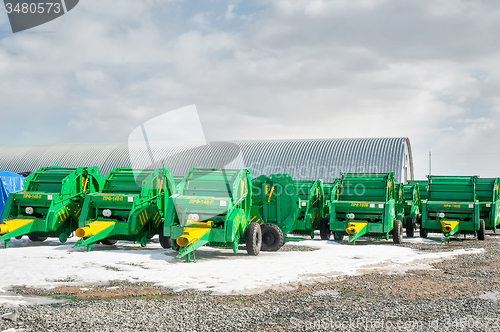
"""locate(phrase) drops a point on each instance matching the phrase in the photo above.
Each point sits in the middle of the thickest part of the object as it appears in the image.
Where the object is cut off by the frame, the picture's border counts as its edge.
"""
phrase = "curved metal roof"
(303, 159)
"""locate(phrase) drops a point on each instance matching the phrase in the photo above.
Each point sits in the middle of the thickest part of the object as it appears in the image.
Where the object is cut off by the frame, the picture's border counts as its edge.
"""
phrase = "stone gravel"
(442, 299)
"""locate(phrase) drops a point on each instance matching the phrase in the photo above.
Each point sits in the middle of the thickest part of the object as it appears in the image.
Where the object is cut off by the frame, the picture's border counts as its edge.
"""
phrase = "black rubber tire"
(165, 241)
(19, 237)
(272, 237)
(324, 229)
(253, 239)
(37, 238)
(338, 237)
(410, 231)
(109, 242)
(481, 231)
(397, 232)
(423, 233)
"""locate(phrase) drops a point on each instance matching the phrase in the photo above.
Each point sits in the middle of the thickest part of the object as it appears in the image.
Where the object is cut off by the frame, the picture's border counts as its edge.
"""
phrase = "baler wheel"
(19, 237)
(272, 237)
(397, 232)
(423, 233)
(37, 238)
(108, 242)
(165, 241)
(324, 229)
(253, 239)
(480, 233)
(409, 227)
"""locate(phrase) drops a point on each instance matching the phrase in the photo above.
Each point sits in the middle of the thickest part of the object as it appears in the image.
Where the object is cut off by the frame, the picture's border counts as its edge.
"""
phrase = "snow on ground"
(51, 264)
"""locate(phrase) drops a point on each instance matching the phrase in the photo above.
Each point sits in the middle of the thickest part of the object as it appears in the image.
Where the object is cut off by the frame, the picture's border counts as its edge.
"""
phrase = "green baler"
(399, 201)
(331, 191)
(275, 205)
(451, 207)
(212, 207)
(128, 206)
(50, 204)
(412, 205)
(311, 207)
(365, 207)
(487, 192)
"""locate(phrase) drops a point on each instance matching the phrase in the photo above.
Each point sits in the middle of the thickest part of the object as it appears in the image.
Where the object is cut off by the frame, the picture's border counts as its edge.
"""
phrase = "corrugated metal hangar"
(303, 159)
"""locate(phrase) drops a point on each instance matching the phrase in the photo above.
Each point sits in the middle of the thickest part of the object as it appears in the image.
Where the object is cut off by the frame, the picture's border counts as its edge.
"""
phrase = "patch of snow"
(495, 296)
(9, 299)
(51, 264)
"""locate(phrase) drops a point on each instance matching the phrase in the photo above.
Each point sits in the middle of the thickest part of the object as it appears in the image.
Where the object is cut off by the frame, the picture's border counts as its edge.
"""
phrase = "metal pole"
(430, 163)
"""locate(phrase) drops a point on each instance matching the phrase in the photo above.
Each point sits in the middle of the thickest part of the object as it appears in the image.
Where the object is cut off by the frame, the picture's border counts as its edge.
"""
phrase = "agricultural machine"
(275, 206)
(399, 201)
(451, 207)
(49, 205)
(487, 193)
(212, 207)
(311, 207)
(365, 206)
(128, 206)
(412, 206)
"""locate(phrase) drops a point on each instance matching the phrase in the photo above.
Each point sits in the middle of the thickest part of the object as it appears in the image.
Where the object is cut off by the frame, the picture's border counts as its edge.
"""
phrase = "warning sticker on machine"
(223, 203)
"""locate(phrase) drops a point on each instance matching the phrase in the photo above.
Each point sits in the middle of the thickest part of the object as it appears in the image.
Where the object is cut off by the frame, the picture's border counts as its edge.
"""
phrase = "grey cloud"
(375, 68)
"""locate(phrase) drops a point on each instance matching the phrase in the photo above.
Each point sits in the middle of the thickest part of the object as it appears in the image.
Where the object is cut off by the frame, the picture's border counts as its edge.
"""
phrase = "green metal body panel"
(222, 200)
(275, 200)
(455, 197)
(399, 201)
(311, 206)
(487, 193)
(135, 199)
(364, 198)
(56, 196)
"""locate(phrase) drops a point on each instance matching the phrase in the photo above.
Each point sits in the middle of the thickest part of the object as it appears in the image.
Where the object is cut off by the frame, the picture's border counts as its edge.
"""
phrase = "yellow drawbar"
(355, 227)
(93, 228)
(192, 234)
(12, 225)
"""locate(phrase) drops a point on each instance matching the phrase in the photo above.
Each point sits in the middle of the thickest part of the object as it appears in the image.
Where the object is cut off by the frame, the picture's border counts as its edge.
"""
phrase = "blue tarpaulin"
(9, 182)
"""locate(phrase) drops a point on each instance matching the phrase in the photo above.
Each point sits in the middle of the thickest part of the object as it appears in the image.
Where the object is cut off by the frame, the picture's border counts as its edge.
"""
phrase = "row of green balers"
(212, 207)
(49, 205)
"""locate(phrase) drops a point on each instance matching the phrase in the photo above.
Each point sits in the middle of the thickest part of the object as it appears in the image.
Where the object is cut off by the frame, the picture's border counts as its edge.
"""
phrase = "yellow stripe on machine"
(191, 235)
(355, 227)
(448, 226)
(11, 225)
(93, 228)
(270, 195)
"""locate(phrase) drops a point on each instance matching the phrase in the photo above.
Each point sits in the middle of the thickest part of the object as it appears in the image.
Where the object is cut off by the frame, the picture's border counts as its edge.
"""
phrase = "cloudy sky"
(425, 69)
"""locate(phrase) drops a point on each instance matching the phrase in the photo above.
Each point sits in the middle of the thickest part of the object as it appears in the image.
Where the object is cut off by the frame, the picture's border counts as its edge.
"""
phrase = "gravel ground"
(449, 297)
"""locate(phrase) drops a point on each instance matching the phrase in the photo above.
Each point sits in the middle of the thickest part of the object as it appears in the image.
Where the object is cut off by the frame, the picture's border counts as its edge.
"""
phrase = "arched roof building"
(303, 159)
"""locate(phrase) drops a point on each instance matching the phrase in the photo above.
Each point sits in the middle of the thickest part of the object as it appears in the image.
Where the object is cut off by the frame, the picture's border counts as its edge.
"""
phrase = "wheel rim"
(267, 239)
